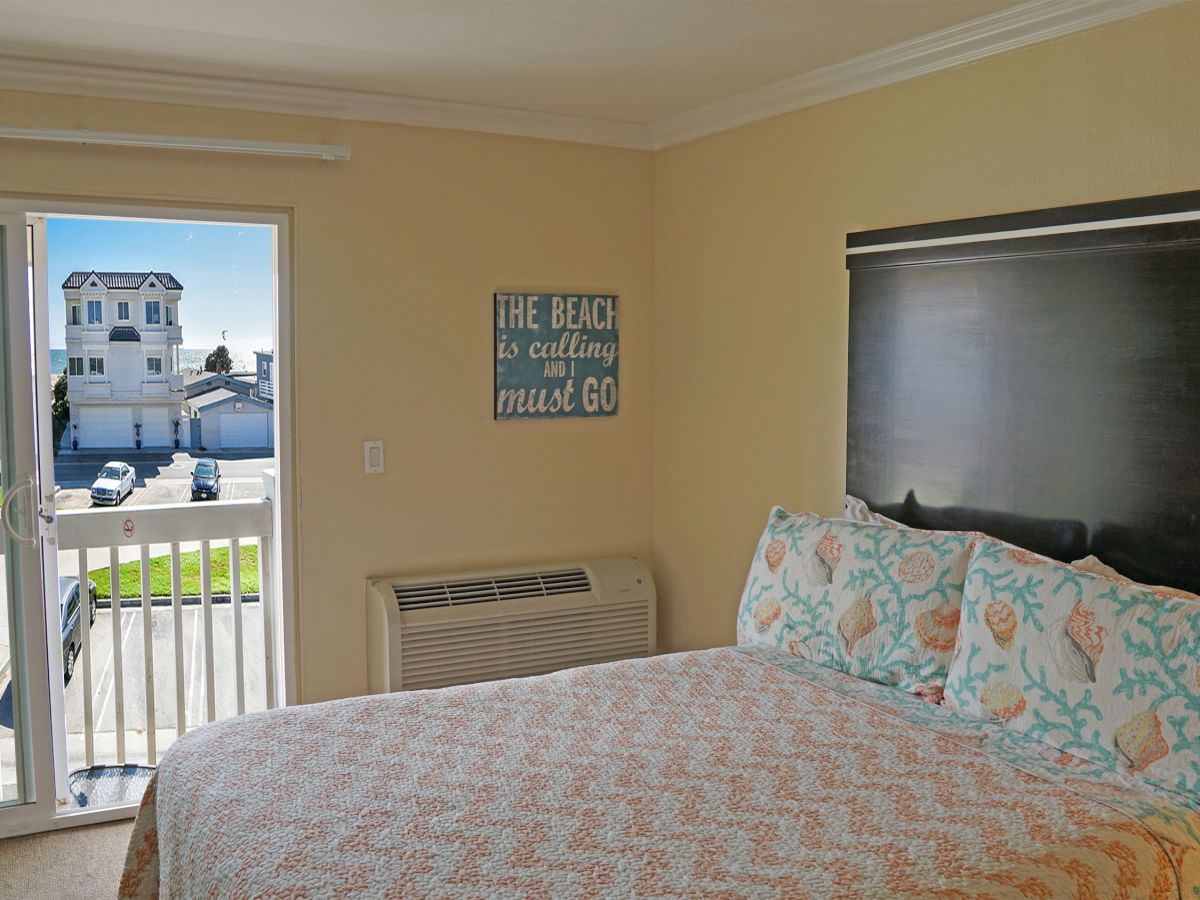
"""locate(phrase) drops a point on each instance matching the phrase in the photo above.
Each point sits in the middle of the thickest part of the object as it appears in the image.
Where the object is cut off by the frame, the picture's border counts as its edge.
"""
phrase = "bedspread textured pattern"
(739, 771)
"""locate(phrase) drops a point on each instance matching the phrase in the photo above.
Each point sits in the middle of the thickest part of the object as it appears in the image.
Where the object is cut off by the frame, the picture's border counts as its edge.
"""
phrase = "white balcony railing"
(111, 534)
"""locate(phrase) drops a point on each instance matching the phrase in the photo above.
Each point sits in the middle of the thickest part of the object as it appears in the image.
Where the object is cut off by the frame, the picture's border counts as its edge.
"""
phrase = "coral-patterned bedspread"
(731, 771)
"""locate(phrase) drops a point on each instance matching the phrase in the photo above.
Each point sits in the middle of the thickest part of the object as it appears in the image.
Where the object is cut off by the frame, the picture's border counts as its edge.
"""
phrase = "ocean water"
(189, 358)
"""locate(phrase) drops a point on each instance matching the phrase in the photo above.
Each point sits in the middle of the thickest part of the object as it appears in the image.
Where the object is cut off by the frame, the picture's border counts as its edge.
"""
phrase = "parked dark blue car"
(206, 480)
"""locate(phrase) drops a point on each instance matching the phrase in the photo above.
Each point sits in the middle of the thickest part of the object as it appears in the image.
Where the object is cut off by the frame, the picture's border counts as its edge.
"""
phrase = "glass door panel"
(27, 774)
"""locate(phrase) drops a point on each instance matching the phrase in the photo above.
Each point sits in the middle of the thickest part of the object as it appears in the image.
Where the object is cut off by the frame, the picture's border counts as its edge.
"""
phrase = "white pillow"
(858, 511)
(1094, 566)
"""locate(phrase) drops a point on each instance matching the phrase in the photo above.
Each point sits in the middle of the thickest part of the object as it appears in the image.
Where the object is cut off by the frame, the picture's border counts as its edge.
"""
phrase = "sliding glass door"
(28, 788)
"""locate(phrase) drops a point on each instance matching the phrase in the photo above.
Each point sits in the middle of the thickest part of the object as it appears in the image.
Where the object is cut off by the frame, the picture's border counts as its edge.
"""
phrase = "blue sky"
(225, 270)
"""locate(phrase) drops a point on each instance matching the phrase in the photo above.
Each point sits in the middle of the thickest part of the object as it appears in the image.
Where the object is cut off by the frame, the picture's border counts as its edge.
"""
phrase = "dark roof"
(122, 280)
(124, 333)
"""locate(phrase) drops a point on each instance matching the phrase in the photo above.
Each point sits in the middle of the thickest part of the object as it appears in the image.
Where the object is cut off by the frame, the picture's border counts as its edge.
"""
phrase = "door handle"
(22, 486)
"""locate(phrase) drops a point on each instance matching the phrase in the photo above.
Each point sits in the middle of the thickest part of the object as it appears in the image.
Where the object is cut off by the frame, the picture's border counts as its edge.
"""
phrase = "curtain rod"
(172, 142)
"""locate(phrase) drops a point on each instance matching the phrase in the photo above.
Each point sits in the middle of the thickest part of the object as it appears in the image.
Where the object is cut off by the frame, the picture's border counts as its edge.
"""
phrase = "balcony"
(96, 390)
(175, 655)
(156, 390)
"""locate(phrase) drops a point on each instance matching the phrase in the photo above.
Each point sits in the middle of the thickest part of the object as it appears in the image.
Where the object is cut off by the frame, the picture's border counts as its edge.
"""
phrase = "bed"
(1061, 756)
(736, 771)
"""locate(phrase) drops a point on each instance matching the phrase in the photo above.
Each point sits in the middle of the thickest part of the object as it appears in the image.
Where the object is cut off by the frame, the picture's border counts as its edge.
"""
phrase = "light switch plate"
(372, 456)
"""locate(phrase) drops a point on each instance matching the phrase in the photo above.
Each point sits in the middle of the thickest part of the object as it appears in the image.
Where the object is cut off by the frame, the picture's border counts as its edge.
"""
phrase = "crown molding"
(52, 77)
(1018, 26)
(1010, 29)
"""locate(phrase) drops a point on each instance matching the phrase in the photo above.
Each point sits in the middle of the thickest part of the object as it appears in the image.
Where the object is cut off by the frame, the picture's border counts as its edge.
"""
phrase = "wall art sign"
(556, 355)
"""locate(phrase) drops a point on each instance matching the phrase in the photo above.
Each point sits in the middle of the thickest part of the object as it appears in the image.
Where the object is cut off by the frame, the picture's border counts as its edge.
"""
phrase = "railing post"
(148, 652)
(235, 601)
(177, 615)
(89, 724)
(114, 581)
(266, 600)
(210, 692)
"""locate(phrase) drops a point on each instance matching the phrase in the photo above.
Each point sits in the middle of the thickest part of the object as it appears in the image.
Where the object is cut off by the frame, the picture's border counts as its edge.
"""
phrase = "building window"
(123, 310)
(264, 369)
(153, 311)
(95, 312)
(75, 365)
(74, 313)
(170, 315)
(153, 365)
(96, 365)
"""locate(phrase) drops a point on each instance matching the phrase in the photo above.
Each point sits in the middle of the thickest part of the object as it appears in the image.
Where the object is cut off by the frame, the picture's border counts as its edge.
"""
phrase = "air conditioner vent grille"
(491, 590)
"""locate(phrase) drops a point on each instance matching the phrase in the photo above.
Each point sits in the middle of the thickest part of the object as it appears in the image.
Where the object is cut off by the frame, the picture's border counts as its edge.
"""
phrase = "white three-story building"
(123, 380)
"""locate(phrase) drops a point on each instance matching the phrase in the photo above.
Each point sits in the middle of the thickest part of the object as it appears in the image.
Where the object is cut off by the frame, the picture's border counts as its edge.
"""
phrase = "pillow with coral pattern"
(1105, 670)
(877, 602)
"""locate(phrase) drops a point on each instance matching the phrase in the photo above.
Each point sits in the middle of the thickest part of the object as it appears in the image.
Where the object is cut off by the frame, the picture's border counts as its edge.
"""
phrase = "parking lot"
(161, 477)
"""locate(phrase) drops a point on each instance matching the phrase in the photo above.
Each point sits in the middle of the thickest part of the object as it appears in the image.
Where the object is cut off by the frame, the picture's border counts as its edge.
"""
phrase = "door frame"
(29, 641)
(42, 816)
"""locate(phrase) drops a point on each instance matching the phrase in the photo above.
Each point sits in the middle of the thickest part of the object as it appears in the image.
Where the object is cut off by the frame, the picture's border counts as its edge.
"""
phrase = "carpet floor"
(70, 863)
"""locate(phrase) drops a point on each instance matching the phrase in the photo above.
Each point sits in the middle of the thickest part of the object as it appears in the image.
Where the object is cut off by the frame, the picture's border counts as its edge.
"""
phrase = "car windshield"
(110, 472)
(206, 470)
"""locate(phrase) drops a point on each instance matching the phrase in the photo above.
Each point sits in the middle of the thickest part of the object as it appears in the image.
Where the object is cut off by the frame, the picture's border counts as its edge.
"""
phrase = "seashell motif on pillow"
(1003, 700)
(856, 623)
(937, 628)
(1140, 741)
(774, 555)
(917, 567)
(823, 560)
(766, 612)
(1078, 643)
(1001, 621)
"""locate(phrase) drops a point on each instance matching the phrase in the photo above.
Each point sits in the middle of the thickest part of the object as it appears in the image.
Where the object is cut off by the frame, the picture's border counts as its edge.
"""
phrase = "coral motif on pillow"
(877, 602)
(1106, 670)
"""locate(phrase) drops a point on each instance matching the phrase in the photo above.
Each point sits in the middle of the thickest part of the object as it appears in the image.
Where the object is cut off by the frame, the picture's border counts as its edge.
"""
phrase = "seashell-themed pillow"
(1105, 670)
(877, 602)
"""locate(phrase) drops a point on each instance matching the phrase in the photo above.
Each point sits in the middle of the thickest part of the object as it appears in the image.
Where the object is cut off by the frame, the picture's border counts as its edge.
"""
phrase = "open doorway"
(158, 396)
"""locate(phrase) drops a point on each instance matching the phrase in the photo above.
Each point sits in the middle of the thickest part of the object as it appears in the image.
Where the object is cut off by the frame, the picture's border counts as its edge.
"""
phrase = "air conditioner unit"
(463, 627)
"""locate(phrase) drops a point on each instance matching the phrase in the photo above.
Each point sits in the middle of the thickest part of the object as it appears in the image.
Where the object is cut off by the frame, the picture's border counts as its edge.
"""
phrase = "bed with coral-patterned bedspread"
(732, 771)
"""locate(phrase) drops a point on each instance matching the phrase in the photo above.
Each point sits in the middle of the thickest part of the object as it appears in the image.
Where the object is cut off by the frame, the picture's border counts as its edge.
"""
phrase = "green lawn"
(189, 572)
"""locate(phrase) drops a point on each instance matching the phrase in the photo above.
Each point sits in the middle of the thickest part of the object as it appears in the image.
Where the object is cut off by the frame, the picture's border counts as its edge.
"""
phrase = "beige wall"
(750, 287)
(396, 255)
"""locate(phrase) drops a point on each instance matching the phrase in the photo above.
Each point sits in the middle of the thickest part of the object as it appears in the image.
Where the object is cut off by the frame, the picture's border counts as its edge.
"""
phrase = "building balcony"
(156, 390)
(96, 390)
(167, 690)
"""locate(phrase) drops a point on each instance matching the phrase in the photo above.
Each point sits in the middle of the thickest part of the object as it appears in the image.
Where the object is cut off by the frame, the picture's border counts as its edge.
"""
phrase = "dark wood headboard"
(1036, 376)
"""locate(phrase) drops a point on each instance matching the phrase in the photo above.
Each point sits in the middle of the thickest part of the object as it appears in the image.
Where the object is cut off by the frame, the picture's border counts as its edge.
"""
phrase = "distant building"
(233, 411)
(123, 338)
(264, 368)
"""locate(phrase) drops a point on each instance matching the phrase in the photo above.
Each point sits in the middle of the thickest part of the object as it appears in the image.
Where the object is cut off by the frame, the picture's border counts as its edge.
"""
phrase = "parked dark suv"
(206, 480)
(72, 623)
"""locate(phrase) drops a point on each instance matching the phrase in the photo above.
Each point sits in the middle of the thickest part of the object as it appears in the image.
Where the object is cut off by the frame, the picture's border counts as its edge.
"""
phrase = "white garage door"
(245, 430)
(155, 430)
(106, 426)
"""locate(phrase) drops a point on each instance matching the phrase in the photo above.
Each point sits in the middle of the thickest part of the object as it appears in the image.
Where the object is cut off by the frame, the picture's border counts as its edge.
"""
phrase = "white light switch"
(373, 456)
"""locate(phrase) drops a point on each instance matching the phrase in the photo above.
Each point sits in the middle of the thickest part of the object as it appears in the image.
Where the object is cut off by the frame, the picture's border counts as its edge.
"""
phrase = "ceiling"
(626, 60)
(633, 62)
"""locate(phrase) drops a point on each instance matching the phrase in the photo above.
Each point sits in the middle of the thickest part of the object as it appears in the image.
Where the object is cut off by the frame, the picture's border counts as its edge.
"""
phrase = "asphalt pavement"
(161, 477)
